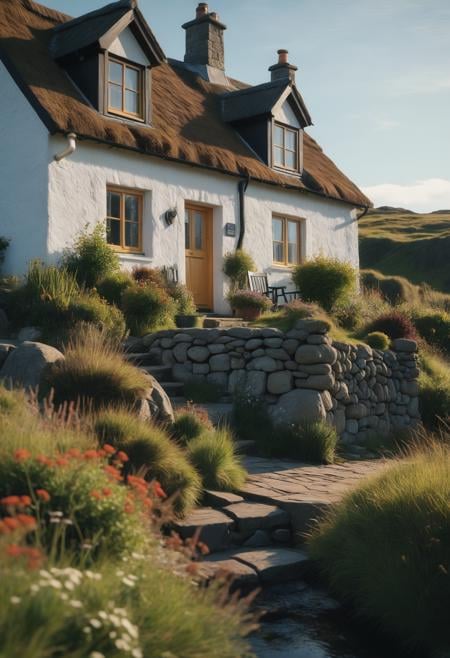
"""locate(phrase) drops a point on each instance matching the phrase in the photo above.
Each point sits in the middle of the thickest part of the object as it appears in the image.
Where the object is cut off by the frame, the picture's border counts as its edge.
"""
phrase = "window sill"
(132, 256)
(282, 268)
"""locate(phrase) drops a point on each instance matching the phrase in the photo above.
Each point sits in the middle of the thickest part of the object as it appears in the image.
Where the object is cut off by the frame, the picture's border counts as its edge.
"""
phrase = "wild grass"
(190, 422)
(311, 442)
(151, 452)
(434, 382)
(94, 373)
(214, 456)
(386, 549)
(147, 308)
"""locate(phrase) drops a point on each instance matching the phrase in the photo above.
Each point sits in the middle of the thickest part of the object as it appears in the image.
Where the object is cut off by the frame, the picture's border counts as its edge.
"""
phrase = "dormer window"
(286, 147)
(125, 89)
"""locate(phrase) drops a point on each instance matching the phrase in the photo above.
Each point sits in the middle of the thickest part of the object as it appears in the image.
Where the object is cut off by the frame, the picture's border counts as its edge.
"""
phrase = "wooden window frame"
(125, 64)
(299, 224)
(296, 131)
(124, 191)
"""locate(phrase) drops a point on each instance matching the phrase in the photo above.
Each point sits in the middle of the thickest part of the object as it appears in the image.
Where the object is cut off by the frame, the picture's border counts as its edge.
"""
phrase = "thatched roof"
(187, 125)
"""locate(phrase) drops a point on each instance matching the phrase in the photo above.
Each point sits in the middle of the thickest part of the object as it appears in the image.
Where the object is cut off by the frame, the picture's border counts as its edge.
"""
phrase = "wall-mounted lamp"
(170, 216)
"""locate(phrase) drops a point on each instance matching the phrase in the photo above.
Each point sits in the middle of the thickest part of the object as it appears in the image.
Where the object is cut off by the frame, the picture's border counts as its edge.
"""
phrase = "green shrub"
(91, 259)
(214, 456)
(147, 309)
(11, 402)
(242, 299)
(298, 310)
(313, 442)
(94, 373)
(386, 549)
(435, 329)
(200, 391)
(189, 423)
(236, 266)
(394, 325)
(358, 310)
(113, 286)
(251, 419)
(434, 400)
(326, 281)
(92, 309)
(140, 609)
(378, 340)
(150, 448)
(149, 276)
(183, 298)
(90, 505)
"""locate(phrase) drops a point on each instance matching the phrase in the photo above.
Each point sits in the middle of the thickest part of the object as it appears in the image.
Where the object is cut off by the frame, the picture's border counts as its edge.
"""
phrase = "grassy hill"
(400, 242)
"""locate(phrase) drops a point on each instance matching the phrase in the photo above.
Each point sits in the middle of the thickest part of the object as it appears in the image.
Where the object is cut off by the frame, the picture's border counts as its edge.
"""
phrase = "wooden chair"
(259, 282)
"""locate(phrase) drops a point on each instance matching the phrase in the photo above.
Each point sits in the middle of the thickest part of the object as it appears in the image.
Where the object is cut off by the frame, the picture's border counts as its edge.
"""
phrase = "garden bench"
(259, 282)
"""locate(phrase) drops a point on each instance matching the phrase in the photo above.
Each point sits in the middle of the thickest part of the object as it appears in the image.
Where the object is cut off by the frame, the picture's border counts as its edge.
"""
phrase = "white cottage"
(184, 163)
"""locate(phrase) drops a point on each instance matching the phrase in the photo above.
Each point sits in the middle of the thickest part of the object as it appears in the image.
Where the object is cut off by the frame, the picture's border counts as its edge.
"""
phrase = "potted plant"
(249, 305)
(186, 314)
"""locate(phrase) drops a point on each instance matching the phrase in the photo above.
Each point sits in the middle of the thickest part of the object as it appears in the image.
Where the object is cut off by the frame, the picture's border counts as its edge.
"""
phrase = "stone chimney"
(283, 70)
(204, 39)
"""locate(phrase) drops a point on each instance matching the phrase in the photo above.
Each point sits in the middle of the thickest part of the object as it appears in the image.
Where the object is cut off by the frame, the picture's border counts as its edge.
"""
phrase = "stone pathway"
(255, 537)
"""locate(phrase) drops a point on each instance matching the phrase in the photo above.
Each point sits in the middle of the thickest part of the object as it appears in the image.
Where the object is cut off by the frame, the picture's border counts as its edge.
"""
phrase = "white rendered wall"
(127, 47)
(285, 114)
(23, 177)
(77, 197)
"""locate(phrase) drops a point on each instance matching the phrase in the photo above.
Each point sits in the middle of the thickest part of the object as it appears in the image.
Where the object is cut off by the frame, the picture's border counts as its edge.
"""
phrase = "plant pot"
(248, 313)
(188, 321)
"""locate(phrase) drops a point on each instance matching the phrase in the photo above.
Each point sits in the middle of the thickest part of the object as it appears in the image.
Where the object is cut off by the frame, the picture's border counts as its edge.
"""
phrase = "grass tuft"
(214, 456)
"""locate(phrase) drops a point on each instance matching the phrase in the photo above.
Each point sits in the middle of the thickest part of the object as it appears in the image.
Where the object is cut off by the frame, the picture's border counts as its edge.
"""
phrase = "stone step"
(251, 517)
(219, 499)
(248, 568)
(223, 323)
(214, 528)
(160, 373)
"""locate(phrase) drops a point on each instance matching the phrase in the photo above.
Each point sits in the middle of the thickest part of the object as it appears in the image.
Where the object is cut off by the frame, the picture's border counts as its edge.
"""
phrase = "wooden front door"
(198, 244)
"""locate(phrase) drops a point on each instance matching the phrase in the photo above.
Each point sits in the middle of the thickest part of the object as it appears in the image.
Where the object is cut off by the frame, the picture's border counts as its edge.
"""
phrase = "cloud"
(420, 84)
(421, 196)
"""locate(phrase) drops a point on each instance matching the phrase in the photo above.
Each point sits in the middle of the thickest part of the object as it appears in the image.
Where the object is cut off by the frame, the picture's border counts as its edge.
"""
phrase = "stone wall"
(302, 374)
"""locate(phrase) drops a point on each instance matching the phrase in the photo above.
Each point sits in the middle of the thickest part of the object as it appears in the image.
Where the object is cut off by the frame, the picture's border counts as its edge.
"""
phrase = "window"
(125, 89)
(124, 219)
(286, 237)
(285, 147)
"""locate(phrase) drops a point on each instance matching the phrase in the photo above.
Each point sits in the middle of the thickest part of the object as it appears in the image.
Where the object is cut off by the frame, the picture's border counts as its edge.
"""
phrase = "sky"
(375, 76)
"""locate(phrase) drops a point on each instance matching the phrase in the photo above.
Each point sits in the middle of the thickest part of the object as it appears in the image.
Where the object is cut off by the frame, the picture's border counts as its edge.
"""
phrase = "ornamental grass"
(214, 456)
(386, 549)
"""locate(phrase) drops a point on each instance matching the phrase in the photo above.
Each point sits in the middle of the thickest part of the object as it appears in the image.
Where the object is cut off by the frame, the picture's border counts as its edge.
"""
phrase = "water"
(305, 622)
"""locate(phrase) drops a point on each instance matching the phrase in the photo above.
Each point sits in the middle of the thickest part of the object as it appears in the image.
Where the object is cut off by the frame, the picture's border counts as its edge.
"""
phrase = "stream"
(305, 622)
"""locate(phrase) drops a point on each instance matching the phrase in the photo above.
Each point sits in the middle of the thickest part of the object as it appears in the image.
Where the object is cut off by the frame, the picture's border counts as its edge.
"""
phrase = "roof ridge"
(255, 88)
(45, 12)
(102, 11)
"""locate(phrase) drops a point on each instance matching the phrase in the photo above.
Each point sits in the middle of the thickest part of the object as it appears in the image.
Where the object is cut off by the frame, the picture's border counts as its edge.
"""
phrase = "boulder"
(160, 405)
(312, 326)
(25, 365)
(29, 334)
(404, 345)
(279, 382)
(198, 354)
(220, 363)
(264, 363)
(297, 406)
(313, 354)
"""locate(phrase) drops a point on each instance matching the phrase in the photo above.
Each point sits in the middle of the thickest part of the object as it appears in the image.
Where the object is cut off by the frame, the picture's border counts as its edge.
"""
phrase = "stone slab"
(275, 565)
(215, 527)
(250, 517)
(219, 499)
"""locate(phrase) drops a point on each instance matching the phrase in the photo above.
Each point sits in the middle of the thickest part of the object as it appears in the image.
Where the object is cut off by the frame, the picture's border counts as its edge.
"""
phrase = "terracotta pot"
(248, 313)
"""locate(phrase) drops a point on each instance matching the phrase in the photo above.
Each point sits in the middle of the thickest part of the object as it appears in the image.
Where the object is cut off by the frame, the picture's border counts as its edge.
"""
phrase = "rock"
(264, 363)
(183, 338)
(198, 354)
(215, 527)
(219, 380)
(281, 535)
(297, 406)
(200, 369)
(258, 540)
(290, 345)
(26, 364)
(273, 342)
(318, 382)
(4, 324)
(316, 369)
(215, 348)
(219, 499)
(404, 345)
(314, 354)
(5, 349)
(180, 352)
(351, 426)
(279, 382)
(312, 326)
(218, 566)
(250, 517)
(356, 411)
(220, 363)
(339, 421)
(253, 344)
(275, 565)
(327, 400)
(410, 388)
(237, 381)
(318, 339)
(29, 334)
(241, 332)
(161, 401)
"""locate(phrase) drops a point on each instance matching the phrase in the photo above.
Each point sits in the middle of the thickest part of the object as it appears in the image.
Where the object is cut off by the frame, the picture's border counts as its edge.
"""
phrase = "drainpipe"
(71, 147)
(363, 214)
(242, 188)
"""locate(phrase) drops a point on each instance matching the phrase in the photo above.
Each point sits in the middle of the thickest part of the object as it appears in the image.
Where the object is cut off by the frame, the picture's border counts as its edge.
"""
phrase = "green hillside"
(400, 242)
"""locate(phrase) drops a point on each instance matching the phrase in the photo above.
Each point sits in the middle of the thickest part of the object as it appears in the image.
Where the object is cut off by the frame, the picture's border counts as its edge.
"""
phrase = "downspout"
(71, 147)
(363, 214)
(242, 188)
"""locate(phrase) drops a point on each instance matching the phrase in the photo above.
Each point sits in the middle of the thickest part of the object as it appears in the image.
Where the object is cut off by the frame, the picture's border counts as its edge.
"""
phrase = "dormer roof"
(98, 29)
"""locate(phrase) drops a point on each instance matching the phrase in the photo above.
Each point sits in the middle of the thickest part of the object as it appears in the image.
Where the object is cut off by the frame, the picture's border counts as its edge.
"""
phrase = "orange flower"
(22, 455)
(61, 461)
(11, 523)
(44, 460)
(25, 501)
(96, 494)
(14, 550)
(90, 454)
(4, 530)
(74, 453)
(107, 491)
(129, 507)
(159, 491)
(109, 449)
(43, 495)
(122, 456)
(26, 520)
(12, 501)
(113, 472)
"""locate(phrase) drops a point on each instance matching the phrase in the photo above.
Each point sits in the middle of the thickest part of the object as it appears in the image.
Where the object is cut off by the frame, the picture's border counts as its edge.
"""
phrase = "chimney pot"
(283, 56)
(214, 15)
(202, 9)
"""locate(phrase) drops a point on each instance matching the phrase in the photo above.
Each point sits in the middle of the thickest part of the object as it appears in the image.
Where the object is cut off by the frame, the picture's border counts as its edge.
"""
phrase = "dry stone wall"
(302, 374)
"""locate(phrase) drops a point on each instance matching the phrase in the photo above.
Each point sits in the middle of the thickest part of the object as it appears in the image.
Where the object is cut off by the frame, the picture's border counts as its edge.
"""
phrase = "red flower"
(26, 520)
(113, 472)
(96, 494)
(109, 449)
(22, 455)
(43, 495)
(74, 453)
(11, 523)
(107, 491)
(61, 461)
(122, 456)
(90, 454)
(25, 501)
(12, 501)
(129, 507)
(14, 551)
(44, 460)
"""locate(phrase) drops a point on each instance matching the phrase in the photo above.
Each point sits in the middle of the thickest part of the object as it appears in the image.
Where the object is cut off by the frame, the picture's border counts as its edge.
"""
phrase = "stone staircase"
(252, 542)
